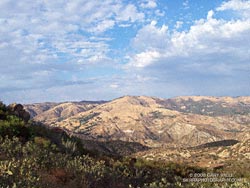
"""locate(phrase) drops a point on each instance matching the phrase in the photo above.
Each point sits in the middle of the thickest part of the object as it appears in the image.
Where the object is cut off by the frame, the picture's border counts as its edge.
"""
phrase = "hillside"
(226, 154)
(211, 106)
(155, 122)
(39, 108)
(49, 113)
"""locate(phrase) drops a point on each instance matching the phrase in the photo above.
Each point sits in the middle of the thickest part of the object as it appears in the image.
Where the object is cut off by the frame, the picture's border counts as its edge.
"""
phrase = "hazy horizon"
(102, 50)
(107, 100)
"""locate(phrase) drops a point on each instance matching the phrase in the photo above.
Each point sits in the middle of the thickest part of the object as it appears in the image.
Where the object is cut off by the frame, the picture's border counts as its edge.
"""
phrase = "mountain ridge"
(151, 121)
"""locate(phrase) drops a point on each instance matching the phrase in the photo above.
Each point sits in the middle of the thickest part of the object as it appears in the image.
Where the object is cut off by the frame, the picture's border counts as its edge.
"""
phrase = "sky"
(65, 50)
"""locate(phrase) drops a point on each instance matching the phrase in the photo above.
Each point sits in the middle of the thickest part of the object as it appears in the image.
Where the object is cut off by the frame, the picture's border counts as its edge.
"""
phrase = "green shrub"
(42, 141)
(70, 146)
(13, 126)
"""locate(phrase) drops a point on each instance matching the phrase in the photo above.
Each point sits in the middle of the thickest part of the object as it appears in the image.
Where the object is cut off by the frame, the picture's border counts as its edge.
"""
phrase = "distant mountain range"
(152, 122)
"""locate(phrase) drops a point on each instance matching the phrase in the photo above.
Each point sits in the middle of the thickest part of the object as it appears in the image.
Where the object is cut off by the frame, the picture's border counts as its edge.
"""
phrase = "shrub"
(70, 146)
(42, 141)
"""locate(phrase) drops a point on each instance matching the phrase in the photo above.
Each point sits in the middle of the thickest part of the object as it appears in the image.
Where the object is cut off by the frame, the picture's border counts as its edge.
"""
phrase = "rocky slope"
(39, 108)
(154, 122)
(210, 157)
(211, 106)
(49, 113)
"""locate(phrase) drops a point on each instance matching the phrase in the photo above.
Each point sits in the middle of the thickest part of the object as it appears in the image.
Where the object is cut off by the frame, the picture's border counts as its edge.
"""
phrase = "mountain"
(49, 113)
(39, 108)
(211, 106)
(154, 122)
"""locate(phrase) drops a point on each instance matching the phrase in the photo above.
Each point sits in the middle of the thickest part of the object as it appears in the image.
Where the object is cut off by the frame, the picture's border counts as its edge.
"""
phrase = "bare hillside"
(151, 122)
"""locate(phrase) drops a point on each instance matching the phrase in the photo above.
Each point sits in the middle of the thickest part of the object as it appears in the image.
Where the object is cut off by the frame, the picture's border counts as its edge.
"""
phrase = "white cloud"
(240, 6)
(103, 26)
(149, 41)
(202, 40)
(159, 13)
(129, 13)
(144, 59)
(185, 4)
(210, 14)
(208, 58)
(57, 37)
(234, 5)
(55, 26)
(178, 24)
(151, 37)
(149, 4)
(114, 86)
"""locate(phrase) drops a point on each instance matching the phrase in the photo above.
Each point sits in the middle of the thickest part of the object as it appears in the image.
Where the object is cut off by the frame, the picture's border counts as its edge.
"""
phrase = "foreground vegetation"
(32, 155)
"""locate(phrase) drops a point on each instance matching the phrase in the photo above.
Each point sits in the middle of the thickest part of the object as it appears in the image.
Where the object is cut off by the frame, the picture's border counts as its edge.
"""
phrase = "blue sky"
(100, 50)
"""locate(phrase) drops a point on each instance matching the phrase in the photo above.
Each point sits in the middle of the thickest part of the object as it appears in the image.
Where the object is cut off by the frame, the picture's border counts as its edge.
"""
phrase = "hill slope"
(155, 122)
(211, 106)
(49, 113)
